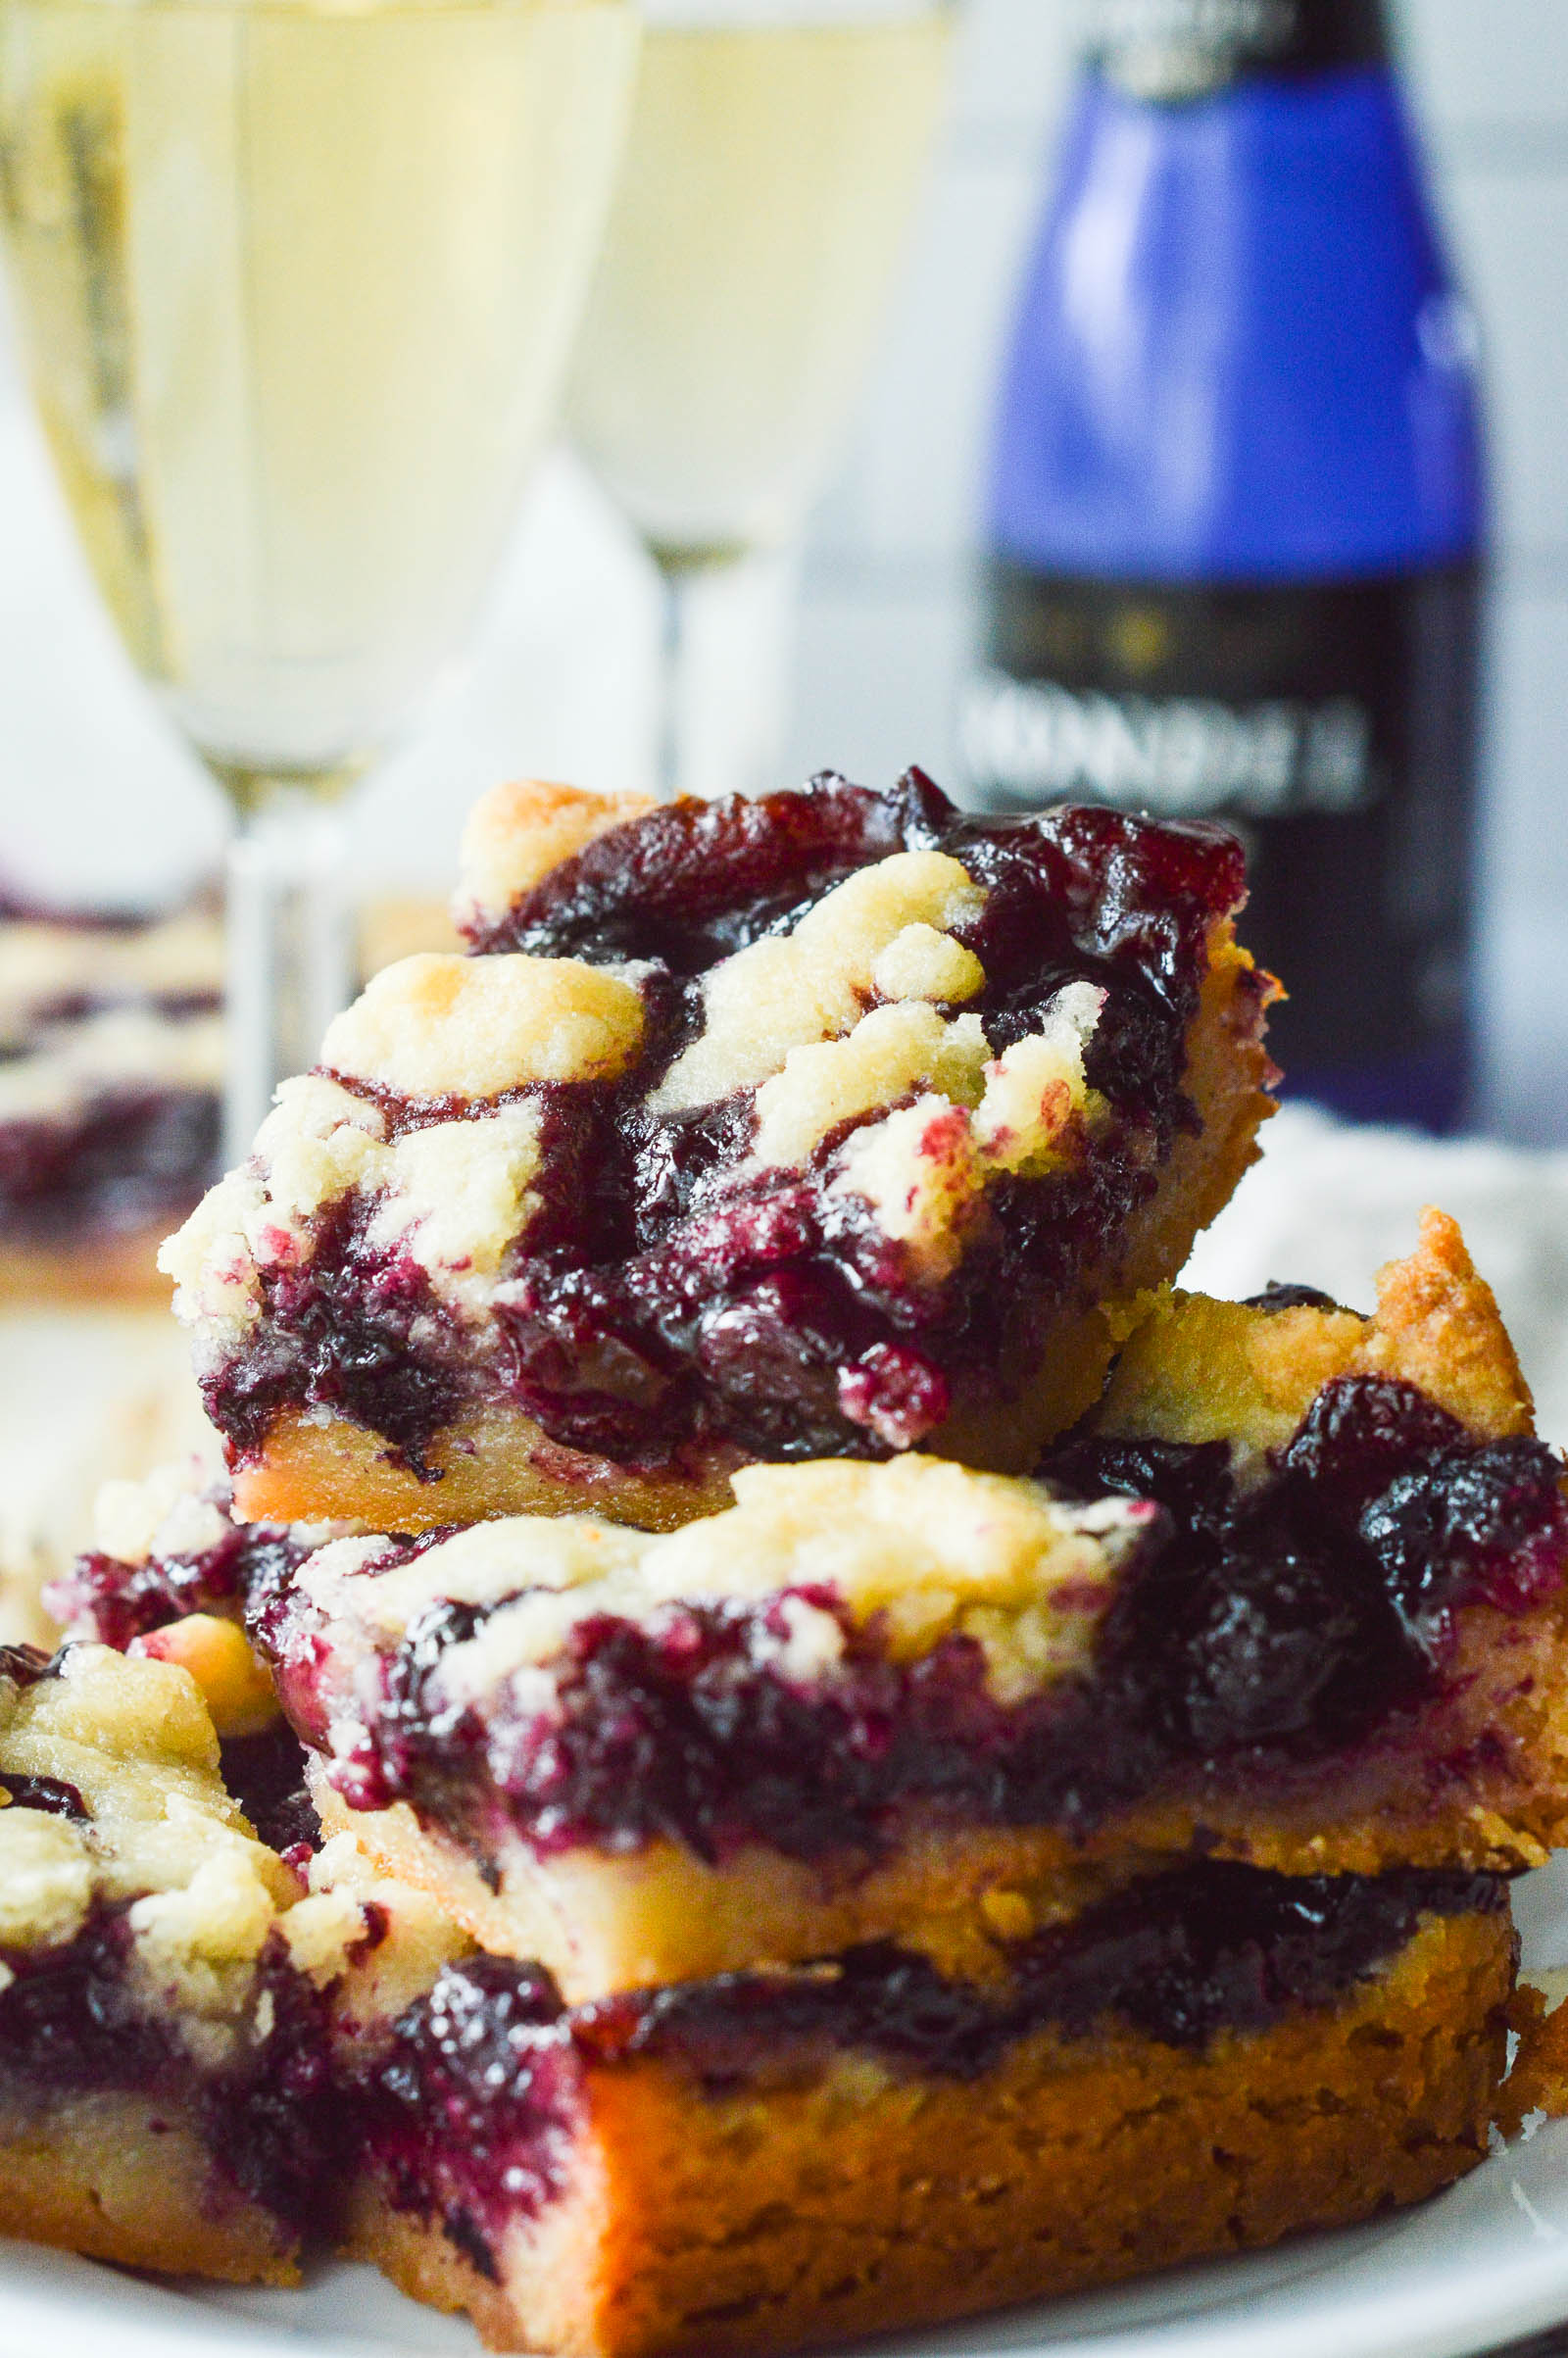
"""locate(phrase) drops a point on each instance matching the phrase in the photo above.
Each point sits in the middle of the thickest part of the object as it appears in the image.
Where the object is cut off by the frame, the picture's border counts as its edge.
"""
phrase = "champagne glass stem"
(672, 765)
(725, 659)
(289, 952)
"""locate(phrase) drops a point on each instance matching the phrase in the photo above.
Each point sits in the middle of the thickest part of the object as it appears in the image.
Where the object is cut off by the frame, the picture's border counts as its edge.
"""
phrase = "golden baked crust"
(493, 1460)
(1196, 1369)
(130, 2179)
(847, 2201)
(519, 832)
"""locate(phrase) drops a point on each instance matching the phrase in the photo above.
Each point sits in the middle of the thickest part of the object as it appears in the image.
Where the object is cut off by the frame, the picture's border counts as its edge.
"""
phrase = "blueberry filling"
(471, 2109)
(1261, 1629)
(348, 1331)
(50, 1794)
(265, 1774)
(1290, 1616)
(468, 2117)
(75, 2021)
(113, 1601)
(668, 1295)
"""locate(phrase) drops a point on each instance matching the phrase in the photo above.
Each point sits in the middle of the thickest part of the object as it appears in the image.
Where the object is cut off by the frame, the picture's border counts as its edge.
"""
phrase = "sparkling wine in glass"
(776, 150)
(297, 284)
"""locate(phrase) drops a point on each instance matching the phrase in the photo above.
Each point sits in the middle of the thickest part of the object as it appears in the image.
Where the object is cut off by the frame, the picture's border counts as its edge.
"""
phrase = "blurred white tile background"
(95, 796)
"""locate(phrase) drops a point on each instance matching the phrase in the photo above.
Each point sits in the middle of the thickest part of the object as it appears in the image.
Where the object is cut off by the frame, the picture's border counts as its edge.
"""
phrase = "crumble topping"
(890, 1052)
(159, 1515)
(519, 832)
(442, 1025)
(452, 1197)
(1198, 1371)
(1034, 1088)
(924, 1169)
(810, 984)
(115, 1802)
(456, 1195)
(920, 1174)
(145, 1819)
(925, 1550)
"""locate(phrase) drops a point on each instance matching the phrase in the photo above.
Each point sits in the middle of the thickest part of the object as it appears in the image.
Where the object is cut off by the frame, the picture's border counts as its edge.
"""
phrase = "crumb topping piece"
(1198, 1370)
(812, 984)
(519, 832)
(168, 1511)
(127, 1756)
(453, 1195)
(442, 1025)
(889, 1053)
(111, 1800)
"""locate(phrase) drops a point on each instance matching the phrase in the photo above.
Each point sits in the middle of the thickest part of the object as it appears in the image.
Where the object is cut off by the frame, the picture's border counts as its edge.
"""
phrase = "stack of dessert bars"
(846, 1756)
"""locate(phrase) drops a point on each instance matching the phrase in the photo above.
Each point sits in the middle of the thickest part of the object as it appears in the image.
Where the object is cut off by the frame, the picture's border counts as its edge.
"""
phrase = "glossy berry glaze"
(470, 2119)
(77, 2019)
(1259, 1628)
(1290, 1616)
(670, 1293)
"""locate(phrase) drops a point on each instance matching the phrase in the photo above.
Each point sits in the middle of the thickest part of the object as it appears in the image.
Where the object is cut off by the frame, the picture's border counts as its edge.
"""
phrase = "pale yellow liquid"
(298, 285)
(768, 184)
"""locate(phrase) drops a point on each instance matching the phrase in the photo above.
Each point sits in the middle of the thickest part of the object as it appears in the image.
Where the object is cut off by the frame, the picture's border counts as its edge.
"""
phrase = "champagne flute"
(296, 282)
(776, 150)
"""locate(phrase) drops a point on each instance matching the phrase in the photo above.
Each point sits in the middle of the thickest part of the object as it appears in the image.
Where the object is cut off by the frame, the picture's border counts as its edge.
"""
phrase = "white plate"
(1484, 2264)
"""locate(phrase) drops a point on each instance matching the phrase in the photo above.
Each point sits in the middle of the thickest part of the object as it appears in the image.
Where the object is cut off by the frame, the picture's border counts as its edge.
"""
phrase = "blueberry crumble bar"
(209, 2053)
(795, 2155)
(110, 1064)
(833, 1123)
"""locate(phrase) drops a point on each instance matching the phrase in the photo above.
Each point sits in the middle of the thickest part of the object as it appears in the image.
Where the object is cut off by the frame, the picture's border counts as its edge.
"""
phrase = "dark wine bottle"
(1236, 518)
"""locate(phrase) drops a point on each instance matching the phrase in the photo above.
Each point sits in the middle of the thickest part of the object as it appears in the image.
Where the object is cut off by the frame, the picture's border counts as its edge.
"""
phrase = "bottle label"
(1177, 49)
(1332, 726)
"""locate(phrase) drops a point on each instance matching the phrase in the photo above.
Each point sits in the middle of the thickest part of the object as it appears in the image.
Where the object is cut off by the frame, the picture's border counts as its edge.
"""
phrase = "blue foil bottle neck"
(1241, 355)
